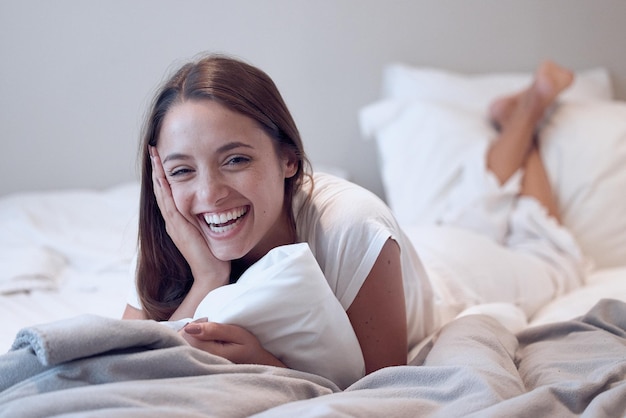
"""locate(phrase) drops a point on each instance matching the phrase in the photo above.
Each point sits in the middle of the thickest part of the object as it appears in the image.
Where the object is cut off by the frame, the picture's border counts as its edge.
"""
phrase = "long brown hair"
(163, 275)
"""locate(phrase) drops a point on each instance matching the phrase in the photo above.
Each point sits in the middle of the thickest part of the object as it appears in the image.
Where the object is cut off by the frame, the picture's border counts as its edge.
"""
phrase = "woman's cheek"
(182, 199)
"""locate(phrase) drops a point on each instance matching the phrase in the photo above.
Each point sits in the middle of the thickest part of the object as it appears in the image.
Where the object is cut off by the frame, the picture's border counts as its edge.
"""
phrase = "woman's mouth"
(225, 221)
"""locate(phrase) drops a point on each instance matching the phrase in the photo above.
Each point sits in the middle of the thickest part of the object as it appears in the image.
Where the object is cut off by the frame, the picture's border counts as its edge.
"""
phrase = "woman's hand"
(231, 342)
(209, 273)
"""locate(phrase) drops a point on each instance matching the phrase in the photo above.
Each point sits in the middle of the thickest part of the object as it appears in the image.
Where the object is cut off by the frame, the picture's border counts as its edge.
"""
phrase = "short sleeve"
(346, 227)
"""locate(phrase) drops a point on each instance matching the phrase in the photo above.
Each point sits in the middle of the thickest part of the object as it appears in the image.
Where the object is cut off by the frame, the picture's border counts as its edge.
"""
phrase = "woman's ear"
(290, 164)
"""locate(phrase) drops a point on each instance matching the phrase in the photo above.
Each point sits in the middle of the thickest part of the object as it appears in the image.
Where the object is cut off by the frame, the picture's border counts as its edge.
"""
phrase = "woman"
(225, 179)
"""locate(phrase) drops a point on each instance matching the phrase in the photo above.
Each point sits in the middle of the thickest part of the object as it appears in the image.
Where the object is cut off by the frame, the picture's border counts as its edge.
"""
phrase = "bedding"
(471, 367)
(66, 268)
(65, 252)
(28, 269)
(75, 356)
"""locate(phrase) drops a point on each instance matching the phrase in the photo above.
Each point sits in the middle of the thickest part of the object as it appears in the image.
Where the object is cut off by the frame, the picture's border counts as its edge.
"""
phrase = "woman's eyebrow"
(232, 145)
(224, 148)
(176, 156)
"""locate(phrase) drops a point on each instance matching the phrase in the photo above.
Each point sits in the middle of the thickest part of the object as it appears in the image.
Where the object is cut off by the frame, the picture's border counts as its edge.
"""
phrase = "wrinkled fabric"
(471, 367)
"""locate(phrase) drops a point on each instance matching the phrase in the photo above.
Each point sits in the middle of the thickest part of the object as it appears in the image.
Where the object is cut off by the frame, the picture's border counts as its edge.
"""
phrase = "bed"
(66, 257)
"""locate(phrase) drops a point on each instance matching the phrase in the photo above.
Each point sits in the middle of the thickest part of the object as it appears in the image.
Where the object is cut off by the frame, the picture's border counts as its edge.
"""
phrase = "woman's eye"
(237, 160)
(179, 171)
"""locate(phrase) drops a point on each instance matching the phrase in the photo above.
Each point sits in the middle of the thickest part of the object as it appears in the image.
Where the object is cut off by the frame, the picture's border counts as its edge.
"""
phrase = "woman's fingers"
(175, 222)
(186, 236)
(212, 331)
(219, 339)
(231, 342)
(161, 187)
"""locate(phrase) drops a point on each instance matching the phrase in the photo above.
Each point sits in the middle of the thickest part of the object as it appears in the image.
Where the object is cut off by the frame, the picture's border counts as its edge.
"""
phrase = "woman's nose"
(212, 189)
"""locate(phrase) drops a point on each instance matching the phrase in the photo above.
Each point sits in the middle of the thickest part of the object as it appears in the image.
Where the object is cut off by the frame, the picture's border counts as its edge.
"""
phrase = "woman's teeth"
(223, 222)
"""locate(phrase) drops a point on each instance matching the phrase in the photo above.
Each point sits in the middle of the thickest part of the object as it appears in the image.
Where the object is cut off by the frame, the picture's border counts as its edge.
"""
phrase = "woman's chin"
(228, 254)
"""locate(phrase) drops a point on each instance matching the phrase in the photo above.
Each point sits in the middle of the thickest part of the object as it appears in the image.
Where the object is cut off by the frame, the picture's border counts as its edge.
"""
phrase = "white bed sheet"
(69, 251)
(609, 283)
(96, 280)
(100, 294)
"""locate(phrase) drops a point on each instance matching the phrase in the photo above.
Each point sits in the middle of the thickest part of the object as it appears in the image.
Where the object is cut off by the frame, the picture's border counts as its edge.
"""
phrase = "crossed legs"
(516, 118)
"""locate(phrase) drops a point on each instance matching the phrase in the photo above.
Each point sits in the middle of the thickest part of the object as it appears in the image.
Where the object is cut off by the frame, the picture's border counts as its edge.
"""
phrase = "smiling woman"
(225, 181)
(201, 160)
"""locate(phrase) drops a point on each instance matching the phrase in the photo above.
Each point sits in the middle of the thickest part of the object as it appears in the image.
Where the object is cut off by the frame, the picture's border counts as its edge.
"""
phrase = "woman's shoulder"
(324, 188)
(330, 199)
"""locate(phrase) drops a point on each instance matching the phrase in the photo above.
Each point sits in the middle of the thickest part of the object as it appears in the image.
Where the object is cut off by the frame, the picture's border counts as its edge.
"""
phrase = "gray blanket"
(92, 366)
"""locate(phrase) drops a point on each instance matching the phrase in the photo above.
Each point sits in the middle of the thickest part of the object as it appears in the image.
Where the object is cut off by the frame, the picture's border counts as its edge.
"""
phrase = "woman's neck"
(283, 233)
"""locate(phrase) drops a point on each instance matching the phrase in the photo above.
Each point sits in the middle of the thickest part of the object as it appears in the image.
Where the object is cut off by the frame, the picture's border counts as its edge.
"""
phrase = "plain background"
(76, 75)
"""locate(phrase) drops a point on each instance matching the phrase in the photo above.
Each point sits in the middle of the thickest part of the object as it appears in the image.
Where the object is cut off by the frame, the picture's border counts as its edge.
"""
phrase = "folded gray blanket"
(92, 366)
(105, 367)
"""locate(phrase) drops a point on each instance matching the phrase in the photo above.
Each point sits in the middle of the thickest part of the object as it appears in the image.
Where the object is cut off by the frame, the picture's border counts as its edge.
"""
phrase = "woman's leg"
(517, 118)
(516, 147)
(502, 248)
(536, 183)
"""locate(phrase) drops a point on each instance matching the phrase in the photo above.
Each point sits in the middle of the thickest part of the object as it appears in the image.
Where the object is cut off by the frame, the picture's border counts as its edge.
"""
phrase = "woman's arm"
(378, 313)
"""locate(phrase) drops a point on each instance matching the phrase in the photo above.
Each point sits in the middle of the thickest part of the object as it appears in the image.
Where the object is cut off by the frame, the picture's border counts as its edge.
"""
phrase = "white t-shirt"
(346, 227)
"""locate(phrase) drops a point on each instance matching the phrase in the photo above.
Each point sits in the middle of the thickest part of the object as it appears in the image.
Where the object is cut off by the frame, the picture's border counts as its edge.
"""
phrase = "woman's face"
(227, 178)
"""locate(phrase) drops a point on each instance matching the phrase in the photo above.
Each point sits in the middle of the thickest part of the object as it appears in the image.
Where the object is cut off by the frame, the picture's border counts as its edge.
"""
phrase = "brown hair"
(163, 275)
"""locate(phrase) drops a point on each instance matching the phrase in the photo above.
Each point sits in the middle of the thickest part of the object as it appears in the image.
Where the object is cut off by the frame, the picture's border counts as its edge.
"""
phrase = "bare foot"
(550, 80)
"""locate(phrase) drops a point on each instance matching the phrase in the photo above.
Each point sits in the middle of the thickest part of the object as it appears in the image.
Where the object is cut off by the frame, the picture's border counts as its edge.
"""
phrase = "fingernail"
(192, 328)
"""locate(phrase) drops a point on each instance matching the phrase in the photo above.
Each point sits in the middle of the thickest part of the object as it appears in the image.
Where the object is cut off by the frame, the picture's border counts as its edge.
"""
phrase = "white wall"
(76, 75)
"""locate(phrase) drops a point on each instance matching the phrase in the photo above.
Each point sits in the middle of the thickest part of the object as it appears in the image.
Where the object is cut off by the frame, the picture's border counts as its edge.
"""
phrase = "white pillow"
(285, 301)
(584, 151)
(423, 145)
(477, 91)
